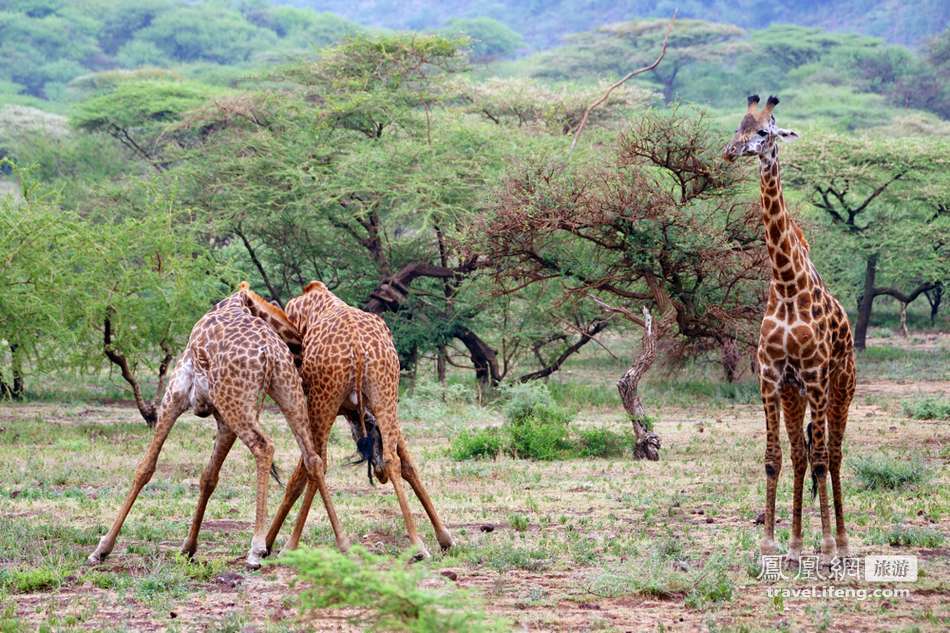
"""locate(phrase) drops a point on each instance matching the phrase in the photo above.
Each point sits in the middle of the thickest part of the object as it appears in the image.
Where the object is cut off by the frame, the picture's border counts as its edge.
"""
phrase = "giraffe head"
(757, 133)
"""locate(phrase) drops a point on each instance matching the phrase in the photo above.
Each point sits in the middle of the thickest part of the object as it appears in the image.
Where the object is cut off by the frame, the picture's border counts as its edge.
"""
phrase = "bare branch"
(620, 82)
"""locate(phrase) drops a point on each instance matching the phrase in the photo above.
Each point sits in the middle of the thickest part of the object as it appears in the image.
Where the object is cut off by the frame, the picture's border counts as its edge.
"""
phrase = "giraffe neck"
(790, 270)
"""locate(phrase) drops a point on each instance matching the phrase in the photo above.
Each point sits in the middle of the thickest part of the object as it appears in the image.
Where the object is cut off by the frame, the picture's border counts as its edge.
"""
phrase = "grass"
(30, 580)
(672, 542)
(886, 472)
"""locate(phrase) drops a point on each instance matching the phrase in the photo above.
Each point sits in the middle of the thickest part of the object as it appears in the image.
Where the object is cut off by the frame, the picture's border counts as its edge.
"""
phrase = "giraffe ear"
(786, 135)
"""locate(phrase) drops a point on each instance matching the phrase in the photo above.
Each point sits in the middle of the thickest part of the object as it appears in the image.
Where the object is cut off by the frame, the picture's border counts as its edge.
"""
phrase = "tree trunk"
(934, 297)
(903, 328)
(145, 407)
(440, 364)
(484, 358)
(731, 357)
(648, 442)
(16, 364)
(867, 301)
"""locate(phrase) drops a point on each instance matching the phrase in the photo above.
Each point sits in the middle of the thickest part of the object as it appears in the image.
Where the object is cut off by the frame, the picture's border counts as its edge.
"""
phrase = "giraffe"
(350, 363)
(805, 352)
(232, 358)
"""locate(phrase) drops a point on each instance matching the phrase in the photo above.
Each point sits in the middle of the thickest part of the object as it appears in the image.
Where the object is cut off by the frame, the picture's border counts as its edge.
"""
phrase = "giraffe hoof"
(95, 558)
(422, 553)
(445, 541)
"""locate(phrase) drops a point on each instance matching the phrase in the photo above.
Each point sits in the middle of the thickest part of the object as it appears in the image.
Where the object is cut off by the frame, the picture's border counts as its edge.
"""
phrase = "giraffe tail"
(814, 477)
(364, 445)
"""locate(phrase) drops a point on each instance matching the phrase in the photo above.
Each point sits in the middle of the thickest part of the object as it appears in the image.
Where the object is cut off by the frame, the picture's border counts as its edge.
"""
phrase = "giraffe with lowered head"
(805, 352)
(232, 359)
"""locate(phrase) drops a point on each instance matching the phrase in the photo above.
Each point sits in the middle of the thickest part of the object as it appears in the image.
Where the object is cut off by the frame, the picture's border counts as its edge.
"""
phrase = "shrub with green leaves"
(928, 409)
(533, 400)
(538, 438)
(604, 443)
(885, 472)
(480, 444)
(901, 535)
(387, 592)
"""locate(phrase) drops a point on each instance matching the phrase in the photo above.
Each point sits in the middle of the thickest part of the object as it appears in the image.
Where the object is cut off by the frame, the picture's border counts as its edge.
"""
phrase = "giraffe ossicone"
(805, 353)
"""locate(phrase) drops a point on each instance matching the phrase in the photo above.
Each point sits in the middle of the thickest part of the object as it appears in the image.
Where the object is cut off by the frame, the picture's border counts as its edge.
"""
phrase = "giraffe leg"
(174, 403)
(209, 481)
(243, 420)
(793, 409)
(322, 418)
(842, 392)
(771, 400)
(409, 474)
(295, 487)
(818, 401)
(394, 470)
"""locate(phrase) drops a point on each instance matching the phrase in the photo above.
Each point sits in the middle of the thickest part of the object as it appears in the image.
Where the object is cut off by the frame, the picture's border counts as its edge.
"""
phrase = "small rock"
(487, 528)
(451, 575)
(172, 615)
(589, 606)
(15, 493)
(709, 519)
(700, 512)
(760, 520)
(230, 579)
(680, 565)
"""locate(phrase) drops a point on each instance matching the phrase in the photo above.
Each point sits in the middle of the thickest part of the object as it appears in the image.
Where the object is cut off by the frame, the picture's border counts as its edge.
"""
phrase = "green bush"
(906, 536)
(928, 409)
(537, 438)
(713, 585)
(480, 444)
(387, 592)
(533, 400)
(884, 472)
(536, 427)
(603, 443)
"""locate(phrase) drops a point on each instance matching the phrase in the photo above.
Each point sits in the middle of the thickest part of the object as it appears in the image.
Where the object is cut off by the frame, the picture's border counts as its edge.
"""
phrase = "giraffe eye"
(762, 133)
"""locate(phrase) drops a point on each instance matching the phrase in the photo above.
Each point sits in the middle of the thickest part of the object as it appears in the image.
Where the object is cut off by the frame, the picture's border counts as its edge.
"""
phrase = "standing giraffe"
(349, 362)
(805, 353)
(232, 359)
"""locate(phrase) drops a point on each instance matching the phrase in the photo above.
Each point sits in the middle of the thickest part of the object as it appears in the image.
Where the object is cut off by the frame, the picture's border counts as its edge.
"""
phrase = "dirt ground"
(551, 546)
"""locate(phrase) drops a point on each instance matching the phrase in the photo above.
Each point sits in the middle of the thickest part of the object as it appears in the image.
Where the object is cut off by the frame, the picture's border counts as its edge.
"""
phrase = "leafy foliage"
(928, 409)
(387, 592)
(879, 472)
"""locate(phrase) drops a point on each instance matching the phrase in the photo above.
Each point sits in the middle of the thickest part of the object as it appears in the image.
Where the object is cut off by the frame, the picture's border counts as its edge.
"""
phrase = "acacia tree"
(616, 48)
(36, 236)
(138, 281)
(655, 224)
(363, 170)
(885, 205)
